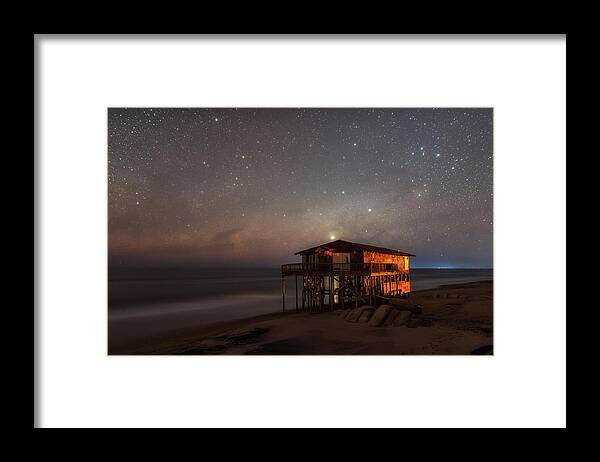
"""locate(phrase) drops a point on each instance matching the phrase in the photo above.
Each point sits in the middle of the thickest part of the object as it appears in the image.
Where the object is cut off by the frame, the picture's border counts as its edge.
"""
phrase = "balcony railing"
(366, 268)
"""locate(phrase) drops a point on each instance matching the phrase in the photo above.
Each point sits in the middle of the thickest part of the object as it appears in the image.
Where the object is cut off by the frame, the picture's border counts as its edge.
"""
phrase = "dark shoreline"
(462, 314)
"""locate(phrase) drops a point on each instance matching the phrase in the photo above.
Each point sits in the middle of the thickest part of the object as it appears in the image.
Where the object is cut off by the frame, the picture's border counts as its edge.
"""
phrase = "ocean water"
(143, 303)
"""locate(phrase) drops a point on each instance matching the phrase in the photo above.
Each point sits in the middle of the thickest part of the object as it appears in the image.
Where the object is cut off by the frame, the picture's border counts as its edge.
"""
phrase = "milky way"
(249, 187)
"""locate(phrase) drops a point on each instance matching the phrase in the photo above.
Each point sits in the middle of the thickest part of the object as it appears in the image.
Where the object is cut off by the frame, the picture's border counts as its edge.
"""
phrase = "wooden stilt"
(283, 292)
(303, 291)
(296, 278)
(331, 292)
(320, 294)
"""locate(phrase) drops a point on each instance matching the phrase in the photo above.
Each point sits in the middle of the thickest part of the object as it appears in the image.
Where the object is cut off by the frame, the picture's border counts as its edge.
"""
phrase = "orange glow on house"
(342, 273)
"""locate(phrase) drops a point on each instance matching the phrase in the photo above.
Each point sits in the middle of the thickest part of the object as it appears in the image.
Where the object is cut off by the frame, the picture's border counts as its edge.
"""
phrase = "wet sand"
(459, 321)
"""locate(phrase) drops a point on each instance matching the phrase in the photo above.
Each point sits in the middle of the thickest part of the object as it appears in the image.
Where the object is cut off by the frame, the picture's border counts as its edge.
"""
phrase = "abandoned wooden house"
(341, 274)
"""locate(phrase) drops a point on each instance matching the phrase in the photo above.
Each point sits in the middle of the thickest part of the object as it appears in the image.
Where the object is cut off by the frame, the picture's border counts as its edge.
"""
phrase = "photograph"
(300, 230)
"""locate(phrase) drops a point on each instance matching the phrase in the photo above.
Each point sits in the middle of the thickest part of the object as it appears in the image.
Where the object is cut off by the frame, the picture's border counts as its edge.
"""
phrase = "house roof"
(345, 246)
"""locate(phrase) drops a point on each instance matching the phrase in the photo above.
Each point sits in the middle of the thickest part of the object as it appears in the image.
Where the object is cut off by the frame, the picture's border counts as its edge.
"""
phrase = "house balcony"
(328, 268)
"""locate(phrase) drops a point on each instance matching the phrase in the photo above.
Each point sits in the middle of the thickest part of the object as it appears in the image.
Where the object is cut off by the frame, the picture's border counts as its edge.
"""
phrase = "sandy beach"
(452, 320)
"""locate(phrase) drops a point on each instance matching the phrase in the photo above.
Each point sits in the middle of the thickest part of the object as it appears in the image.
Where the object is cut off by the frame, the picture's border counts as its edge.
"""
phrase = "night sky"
(249, 187)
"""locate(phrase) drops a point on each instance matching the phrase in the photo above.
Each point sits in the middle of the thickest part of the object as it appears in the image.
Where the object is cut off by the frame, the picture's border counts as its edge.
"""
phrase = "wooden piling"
(303, 292)
(296, 279)
(331, 292)
(321, 294)
(283, 292)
